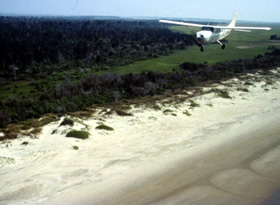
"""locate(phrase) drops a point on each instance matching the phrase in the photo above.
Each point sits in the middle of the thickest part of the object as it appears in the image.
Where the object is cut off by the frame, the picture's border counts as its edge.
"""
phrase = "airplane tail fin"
(233, 22)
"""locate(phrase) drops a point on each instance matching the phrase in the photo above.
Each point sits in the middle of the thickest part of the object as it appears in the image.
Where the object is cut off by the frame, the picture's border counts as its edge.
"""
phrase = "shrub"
(210, 104)
(194, 104)
(67, 121)
(224, 94)
(78, 134)
(123, 113)
(104, 127)
(243, 89)
(186, 112)
(156, 107)
(167, 111)
(248, 83)
(75, 147)
(36, 131)
(24, 143)
(8, 136)
(5, 118)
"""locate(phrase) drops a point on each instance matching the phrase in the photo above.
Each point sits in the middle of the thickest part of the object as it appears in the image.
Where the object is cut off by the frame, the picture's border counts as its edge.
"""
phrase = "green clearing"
(257, 41)
(21, 89)
(18, 88)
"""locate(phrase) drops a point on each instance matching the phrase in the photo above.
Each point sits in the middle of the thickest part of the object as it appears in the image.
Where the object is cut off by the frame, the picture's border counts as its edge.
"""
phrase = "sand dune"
(223, 151)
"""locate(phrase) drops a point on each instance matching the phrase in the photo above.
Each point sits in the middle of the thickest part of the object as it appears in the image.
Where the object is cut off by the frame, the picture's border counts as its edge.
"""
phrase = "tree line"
(71, 96)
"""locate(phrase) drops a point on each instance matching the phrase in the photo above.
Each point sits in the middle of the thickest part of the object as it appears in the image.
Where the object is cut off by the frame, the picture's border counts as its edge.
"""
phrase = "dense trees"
(274, 37)
(38, 45)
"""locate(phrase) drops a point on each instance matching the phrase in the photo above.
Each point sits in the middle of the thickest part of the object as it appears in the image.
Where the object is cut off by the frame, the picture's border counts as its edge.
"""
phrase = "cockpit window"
(205, 28)
(217, 30)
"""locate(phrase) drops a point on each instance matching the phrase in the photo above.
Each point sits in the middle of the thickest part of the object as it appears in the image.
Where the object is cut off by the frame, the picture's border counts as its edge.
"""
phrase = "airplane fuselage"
(210, 35)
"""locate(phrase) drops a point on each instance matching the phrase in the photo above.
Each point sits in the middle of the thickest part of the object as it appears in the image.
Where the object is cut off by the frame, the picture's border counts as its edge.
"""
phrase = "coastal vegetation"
(193, 104)
(67, 121)
(60, 65)
(75, 147)
(167, 111)
(224, 94)
(69, 96)
(78, 134)
(104, 127)
(186, 112)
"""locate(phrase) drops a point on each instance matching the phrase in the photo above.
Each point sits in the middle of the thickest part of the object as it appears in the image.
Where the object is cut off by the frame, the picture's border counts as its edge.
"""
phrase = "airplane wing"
(236, 28)
(240, 28)
(182, 23)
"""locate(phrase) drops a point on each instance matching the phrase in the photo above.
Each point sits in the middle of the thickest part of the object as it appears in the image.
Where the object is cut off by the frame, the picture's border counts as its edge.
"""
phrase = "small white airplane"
(211, 34)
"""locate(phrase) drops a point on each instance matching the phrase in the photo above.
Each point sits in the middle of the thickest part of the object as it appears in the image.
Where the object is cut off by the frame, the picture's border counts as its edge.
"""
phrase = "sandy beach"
(207, 149)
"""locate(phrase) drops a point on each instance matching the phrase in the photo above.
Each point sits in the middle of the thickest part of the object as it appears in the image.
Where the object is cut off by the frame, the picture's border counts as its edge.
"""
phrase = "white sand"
(147, 144)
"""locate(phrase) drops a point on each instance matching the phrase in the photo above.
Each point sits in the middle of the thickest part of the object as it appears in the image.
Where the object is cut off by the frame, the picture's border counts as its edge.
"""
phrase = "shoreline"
(48, 169)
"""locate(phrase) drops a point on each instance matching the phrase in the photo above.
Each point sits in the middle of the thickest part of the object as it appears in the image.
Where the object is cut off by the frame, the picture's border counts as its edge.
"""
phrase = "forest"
(36, 47)
(41, 48)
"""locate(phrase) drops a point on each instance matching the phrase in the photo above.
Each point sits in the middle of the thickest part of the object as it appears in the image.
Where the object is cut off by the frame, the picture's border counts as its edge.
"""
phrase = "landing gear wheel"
(223, 46)
(201, 48)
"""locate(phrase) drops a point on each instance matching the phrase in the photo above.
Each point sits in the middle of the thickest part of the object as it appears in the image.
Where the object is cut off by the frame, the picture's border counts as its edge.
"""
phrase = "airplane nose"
(199, 36)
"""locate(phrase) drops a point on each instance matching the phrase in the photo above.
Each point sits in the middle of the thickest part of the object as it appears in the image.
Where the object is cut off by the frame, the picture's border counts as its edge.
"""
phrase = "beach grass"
(193, 104)
(104, 127)
(224, 94)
